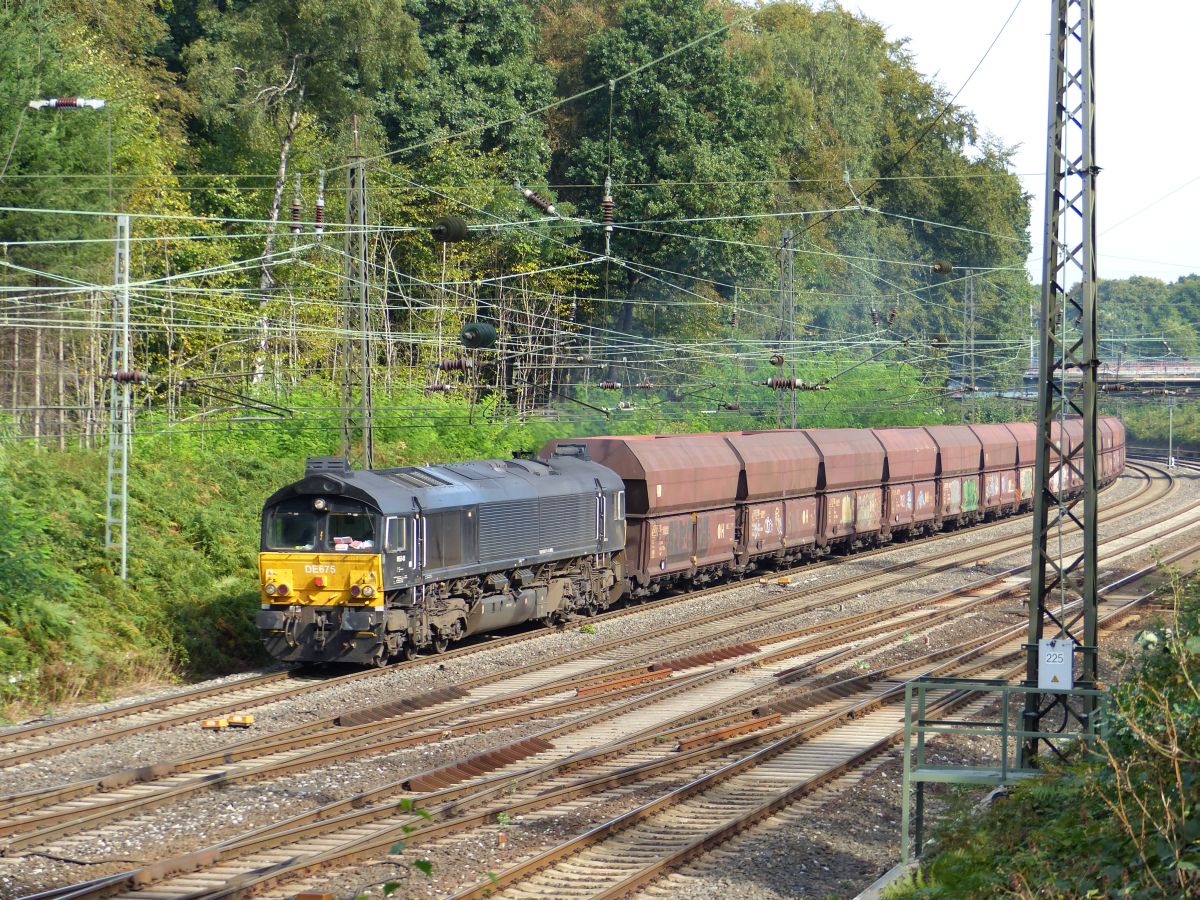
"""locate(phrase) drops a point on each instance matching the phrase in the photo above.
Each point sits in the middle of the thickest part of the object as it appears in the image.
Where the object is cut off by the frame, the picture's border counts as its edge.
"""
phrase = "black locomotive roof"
(403, 491)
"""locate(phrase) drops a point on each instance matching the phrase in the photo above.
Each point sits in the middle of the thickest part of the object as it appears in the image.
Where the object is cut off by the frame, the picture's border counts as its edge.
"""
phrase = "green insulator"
(449, 229)
(477, 335)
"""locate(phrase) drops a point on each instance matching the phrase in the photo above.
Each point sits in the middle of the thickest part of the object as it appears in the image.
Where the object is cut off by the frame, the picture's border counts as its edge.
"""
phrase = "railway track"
(653, 732)
(32, 818)
(565, 695)
(34, 741)
(640, 729)
(633, 850)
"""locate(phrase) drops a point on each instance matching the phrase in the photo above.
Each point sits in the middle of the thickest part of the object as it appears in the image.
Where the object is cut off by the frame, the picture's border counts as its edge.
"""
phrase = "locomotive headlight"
(270, 589)
(368, 591)
(319, 504)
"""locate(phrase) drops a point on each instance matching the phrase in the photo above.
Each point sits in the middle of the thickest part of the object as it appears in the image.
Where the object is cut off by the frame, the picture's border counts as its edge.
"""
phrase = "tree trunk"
(266, 280)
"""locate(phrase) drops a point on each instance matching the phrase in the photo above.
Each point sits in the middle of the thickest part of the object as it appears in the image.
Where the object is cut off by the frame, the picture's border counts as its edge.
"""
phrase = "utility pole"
(787, 307)
(1068, 344)
(1170, 431)
(120, 405)
(968, 362)
(356, 292)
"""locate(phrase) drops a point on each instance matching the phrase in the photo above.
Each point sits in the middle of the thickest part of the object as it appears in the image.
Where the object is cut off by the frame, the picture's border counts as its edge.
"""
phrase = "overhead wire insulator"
(644, 386)
(892, 314)
(776, 359)
(438, 388)
(478, 335)
(941, 267)
(874, 318)
(731, 405)
(67, 103)
(129, 377)
(791, 383)
(295, 227)
(609, 385)
(461, 364)
(536, 199)
(625, 404)
(733, 318)
(606, 212)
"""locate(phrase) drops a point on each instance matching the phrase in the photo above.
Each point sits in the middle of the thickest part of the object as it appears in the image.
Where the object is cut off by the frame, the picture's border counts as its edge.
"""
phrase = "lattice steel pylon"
(356, 281)
(120, 406)
(1063, 582)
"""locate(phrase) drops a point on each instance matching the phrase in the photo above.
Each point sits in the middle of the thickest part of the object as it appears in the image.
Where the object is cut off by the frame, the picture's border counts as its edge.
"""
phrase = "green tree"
(291, 64)
(689, 141)
(480, 68)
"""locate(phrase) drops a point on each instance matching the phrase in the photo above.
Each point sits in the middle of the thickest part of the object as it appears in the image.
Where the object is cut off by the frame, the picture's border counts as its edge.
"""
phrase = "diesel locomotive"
(364, 566)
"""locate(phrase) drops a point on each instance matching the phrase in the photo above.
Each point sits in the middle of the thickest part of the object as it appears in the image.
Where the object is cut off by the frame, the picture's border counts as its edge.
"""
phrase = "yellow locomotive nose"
(321, 579)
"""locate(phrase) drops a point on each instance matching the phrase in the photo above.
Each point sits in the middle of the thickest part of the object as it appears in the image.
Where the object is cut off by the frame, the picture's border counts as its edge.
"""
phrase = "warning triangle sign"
(1054, 680)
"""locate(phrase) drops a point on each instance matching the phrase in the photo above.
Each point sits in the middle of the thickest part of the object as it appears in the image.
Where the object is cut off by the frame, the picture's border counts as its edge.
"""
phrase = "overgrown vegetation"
(1122, 823)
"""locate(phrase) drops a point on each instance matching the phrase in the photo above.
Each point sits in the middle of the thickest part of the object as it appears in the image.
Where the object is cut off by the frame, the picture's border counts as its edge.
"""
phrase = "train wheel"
(409, 651)
(380, 659)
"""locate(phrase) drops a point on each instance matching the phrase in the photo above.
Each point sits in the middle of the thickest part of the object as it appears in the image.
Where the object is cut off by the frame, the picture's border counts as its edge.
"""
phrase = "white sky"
(1147, 123)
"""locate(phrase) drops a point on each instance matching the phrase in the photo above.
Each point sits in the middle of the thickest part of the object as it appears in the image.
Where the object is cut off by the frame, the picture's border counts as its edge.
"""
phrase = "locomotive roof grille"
(416, 478)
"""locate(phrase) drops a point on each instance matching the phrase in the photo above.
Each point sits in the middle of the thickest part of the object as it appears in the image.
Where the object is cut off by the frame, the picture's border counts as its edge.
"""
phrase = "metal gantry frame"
(120, 405)
(1068, 344)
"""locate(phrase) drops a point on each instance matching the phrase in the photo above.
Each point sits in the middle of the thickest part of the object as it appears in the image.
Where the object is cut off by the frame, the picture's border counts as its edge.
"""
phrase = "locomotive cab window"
(619, 506)
(396, 539)
(292, 531)
(351, 531)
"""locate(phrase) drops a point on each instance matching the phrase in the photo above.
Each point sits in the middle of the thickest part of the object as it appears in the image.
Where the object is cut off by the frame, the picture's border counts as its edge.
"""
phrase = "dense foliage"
(1122, 823)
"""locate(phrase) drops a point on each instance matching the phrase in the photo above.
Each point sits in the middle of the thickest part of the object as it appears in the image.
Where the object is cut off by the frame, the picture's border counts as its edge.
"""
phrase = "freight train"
(364, 566)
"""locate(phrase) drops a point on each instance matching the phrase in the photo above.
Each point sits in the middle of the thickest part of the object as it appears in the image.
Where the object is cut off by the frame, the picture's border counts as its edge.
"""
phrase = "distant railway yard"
(674, 748)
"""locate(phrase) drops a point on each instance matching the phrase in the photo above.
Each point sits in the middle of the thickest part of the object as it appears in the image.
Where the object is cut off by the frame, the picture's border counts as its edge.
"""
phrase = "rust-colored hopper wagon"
(778, 489)
(999, 493)
(680, 504)
(1026, 436)
(960, 455)
(910, 500)
(851, 484)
